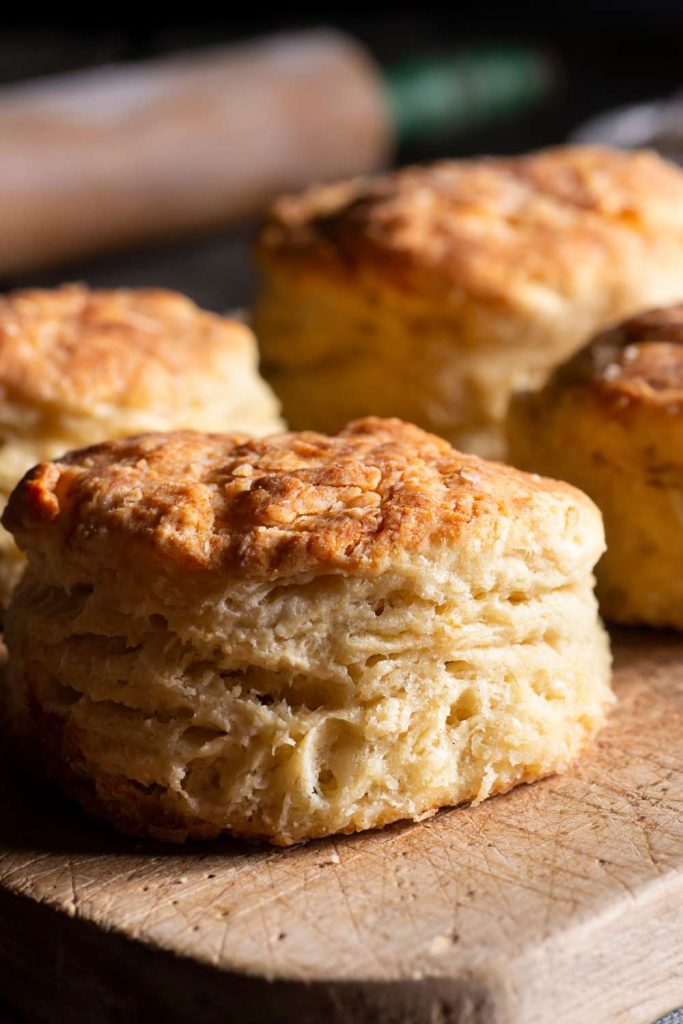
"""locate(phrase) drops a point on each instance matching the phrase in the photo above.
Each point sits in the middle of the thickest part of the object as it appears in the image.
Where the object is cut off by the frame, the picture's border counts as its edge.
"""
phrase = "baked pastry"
(302, 635)
(79, 366)
(611, 422)
(434, 292)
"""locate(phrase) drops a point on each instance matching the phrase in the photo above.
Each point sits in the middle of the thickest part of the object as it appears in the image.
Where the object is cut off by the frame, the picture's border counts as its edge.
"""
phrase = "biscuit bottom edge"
(152, 811)
(140, 812)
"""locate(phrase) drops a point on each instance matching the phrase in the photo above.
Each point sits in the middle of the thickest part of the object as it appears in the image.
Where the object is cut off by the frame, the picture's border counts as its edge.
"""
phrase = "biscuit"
(435, 292)
(301, 635)
(611, 422)
(80, 366)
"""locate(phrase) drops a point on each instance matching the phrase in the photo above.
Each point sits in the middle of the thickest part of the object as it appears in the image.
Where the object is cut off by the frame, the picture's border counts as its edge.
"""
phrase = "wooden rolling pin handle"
(115, 156)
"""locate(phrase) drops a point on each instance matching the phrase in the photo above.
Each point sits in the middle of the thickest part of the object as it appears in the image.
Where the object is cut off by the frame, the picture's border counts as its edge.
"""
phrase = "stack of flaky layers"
(330, 629)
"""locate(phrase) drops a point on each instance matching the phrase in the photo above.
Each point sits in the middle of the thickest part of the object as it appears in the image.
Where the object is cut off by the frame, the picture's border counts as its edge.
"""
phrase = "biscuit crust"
(78, 366)
(486, 225)
(611, 421)
(300, 635)
(276, 506)
(79, 347)
(436, 291)
(638, 361)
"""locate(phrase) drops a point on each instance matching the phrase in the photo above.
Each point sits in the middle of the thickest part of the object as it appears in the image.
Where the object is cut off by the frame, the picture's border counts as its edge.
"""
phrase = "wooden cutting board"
(560, 903)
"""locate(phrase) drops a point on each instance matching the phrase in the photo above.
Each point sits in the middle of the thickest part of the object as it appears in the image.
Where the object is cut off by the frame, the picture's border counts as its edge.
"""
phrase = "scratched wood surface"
(561, 902)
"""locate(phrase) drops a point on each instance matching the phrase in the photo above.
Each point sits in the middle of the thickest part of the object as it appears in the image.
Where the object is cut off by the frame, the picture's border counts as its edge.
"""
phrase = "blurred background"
(583, 58)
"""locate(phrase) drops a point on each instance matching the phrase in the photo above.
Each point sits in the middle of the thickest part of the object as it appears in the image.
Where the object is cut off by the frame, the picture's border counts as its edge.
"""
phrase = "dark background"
(609, 54)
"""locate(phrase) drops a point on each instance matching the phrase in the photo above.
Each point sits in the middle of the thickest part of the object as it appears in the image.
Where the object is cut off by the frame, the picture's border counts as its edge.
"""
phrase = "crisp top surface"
(640, 361)
(281, 505)
(77, 348)
(548, 219)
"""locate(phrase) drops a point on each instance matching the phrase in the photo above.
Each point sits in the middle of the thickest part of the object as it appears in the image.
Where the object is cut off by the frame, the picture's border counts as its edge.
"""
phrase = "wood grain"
(561, 902)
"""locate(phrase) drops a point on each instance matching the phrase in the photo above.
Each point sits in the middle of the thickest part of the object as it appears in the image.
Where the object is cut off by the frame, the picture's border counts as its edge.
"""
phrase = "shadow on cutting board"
(41, 820)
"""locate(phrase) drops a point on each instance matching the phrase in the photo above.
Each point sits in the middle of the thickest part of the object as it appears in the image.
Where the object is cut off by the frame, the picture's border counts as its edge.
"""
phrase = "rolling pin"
(118, 155)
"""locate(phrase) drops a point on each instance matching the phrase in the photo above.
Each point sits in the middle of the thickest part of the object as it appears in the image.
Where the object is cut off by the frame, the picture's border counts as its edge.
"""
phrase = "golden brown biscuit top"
(639, 360)
(485, 225)
(283, 505)
(80, 349)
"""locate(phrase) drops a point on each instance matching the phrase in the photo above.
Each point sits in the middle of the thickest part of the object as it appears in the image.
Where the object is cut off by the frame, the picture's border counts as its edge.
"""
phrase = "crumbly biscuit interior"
(328, 703)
